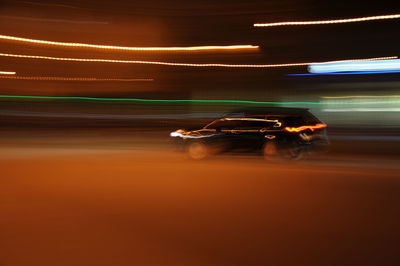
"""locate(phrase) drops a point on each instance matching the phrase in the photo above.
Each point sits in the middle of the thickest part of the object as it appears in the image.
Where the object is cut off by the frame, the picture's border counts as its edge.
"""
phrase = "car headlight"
(175, 134)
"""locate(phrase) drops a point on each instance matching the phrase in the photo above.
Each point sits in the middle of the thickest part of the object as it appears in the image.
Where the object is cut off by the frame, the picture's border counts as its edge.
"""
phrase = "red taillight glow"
(302, 128)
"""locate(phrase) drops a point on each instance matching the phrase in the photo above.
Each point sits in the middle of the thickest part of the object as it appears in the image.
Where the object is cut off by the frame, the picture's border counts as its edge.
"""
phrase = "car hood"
(200, 133)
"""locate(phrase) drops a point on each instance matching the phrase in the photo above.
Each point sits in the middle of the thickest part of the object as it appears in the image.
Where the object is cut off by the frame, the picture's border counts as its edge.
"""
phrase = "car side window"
(240, 125)
(221, 124)
(254, 125)
(228, 124)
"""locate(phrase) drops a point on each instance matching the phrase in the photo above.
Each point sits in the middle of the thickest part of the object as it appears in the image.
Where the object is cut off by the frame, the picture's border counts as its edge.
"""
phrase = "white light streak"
(334, 21)
(98, 60)
(7, 73)
(127, 48)
(74, 79)
(353, 66)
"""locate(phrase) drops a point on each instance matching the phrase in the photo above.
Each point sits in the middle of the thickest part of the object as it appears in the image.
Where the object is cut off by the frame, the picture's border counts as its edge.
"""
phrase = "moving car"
(275, 132)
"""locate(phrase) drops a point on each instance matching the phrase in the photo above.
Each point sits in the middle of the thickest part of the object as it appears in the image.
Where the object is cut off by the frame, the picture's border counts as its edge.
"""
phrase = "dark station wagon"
(275, 132)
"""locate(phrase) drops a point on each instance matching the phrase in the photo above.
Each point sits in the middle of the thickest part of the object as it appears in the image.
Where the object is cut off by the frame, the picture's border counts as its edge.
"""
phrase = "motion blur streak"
(302, 128)
(379, 109)
(182, 101)
(334, 104)
(352, 66)
(151, 62)
(126, 48)
(73, 79)
(346, 73)
(177, 64)
(54, 20)
(335, 21)
(361, 96)
(7, 73)
(362, 59)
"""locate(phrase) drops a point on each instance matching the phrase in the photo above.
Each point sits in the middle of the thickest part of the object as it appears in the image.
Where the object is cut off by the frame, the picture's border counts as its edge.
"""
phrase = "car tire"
(293, 153)
(198, 150)
(270, 151)
(273, 152)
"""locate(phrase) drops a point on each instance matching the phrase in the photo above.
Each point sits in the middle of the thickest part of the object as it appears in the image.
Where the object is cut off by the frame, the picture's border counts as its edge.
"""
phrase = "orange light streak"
(302, 128)
(73, 79)
(7, 73)
(177, 64)
(127, 48)
(334, 21)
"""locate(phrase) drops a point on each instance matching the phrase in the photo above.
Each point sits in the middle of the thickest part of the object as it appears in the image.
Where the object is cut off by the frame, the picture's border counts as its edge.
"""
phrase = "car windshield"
(216, 124)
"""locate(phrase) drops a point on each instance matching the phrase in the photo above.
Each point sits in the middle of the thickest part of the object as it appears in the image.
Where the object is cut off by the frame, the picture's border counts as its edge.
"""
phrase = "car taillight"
(302, 128)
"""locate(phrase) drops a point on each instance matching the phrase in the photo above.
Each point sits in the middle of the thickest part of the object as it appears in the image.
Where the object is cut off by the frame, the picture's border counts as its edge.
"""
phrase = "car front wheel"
(198, 150)
(270, 151)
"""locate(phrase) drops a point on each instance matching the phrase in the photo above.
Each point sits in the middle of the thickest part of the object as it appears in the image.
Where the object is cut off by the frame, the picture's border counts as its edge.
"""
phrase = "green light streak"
(186, 101)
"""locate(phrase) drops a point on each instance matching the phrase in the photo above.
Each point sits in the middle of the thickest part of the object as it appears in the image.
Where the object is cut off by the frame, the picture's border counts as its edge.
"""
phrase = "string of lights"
(98, 60)
(334, 21)
(127, 48)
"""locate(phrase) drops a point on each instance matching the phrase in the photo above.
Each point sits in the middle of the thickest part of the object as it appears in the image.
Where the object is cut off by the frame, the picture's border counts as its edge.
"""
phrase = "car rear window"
(296, 120)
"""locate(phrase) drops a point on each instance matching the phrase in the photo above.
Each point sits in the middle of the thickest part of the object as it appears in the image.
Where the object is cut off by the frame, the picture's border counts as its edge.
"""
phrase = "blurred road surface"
(112, 206)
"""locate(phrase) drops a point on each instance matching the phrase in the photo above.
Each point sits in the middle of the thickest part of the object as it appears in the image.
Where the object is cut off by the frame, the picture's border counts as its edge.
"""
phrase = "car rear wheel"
(274, 152)
(295, 152)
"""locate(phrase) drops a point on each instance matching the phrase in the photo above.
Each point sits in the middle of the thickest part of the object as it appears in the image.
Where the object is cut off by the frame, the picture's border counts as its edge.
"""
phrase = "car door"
(250, 134)
(221, 137)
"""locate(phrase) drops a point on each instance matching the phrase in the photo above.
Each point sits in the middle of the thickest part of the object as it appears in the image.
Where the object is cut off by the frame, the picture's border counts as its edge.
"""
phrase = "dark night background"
(187, 23)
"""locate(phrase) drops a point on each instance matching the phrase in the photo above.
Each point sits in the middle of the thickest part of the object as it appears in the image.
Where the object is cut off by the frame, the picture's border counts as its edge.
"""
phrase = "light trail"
(127, 48)
(98, 60)
(187, 100)
(319, 22)
(7, 73)
(379, 109)
(346, 73)
(361, 96)
(352, 66)
(74, 79)
(152, 62)
(302, 128)
(335, 101)
(362, 59)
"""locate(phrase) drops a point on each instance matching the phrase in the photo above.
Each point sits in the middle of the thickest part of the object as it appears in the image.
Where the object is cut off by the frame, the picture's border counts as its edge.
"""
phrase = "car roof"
(263, 111)
(246, 119)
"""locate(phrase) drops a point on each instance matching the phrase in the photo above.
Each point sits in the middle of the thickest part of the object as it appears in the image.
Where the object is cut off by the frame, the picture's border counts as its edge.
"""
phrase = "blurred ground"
(129, 136)
(83, 201)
